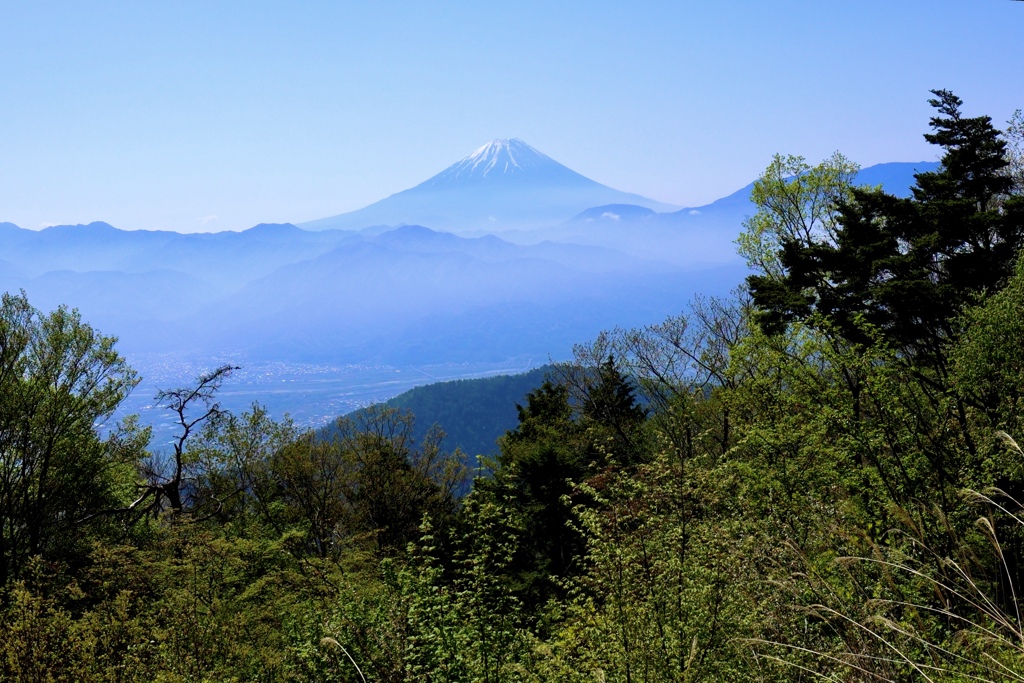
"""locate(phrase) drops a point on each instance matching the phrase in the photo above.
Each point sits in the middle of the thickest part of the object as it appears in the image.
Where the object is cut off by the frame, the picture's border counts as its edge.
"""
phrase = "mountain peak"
(95, 226)
(500, 160)
(501, 155)
(502, 185)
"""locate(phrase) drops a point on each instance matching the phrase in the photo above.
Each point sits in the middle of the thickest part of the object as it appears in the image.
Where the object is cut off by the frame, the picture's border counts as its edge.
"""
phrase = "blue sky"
(220, 115)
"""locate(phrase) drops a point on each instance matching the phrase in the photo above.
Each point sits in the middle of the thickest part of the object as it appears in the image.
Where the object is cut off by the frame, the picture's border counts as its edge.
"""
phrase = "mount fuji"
(504, 185)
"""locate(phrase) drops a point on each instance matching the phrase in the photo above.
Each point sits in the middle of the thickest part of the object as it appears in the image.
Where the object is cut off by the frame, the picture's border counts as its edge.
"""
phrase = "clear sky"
(220, 115)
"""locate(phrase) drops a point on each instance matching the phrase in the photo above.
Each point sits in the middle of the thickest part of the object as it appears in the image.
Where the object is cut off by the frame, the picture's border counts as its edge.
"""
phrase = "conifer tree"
(539, 461)
(908, 266)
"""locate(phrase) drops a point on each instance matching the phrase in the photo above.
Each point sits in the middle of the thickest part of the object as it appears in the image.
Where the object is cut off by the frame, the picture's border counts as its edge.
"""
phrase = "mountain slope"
(473, 413)
(417, 296)
(503, 185)
(226, 260)
(694, 235)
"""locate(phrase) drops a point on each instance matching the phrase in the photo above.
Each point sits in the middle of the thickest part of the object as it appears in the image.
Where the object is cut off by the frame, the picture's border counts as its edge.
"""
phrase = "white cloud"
(208, 219)
(609, 214)
(694, 212)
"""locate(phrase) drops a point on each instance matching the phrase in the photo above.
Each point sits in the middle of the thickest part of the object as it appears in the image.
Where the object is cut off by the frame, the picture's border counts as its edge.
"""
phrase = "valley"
(311, 395)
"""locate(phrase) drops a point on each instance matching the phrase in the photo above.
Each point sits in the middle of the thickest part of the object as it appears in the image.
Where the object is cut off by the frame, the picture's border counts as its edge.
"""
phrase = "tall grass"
(963, 623)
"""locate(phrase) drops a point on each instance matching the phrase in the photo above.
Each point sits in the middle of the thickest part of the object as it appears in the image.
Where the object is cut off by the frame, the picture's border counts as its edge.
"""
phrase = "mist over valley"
(499, 263)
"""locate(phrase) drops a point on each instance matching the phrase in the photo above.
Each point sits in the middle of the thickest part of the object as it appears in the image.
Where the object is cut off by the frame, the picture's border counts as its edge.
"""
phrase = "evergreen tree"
(908, 266)
(539, 461)
(611, 407)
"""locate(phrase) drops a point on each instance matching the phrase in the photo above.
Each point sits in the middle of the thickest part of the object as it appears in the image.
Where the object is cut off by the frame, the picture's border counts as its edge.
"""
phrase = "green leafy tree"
(366, 482)
(465, 622)
(796, 203)
(59, 379)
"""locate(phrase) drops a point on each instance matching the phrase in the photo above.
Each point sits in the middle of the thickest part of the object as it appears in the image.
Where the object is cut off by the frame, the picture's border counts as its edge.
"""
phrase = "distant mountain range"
(414, 279)
(410, 295)
(509, 188)
(701, 235)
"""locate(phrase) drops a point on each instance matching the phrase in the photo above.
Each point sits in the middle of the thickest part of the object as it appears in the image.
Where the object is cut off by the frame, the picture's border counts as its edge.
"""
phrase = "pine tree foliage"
(908, 266)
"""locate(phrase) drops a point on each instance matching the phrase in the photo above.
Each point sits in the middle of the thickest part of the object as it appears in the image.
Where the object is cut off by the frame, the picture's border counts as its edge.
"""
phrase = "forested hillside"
(816, 478)
(472, 413)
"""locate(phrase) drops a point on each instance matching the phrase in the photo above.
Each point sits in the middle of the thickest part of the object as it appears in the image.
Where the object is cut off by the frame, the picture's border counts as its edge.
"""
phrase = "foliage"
(780, 486)
(58, 379)
(796, 203)
(466, 625)
(473, 413)
(663, 597)
(539, 459)
(907, 266)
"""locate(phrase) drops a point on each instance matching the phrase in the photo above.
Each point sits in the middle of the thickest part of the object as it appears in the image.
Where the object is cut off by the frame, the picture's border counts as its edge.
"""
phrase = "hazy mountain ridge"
(493, 248)
(692, 236)
(331, 296)
(217, 257)
(368, 299)
(410, 294)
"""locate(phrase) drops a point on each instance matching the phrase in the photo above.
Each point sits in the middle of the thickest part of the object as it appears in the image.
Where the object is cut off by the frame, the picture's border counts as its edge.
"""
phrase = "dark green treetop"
(908, 266)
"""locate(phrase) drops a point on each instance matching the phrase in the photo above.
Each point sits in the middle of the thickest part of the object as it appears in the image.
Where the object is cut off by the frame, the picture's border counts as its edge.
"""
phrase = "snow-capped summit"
(496, 158)
(503, 185)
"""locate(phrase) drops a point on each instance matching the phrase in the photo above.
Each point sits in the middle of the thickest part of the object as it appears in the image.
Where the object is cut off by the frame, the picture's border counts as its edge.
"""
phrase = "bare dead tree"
(193, 407)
